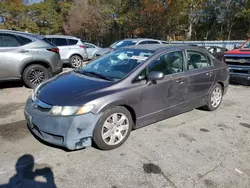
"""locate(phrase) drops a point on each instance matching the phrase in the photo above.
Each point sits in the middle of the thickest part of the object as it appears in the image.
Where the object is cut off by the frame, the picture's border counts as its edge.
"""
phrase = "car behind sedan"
(126, 89)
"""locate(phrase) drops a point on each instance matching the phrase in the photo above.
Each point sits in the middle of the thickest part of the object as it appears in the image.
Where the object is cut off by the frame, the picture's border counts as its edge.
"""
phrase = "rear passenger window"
(24, 40)
(60, 42)
(7, 40)
(197, 60)
(72, 41)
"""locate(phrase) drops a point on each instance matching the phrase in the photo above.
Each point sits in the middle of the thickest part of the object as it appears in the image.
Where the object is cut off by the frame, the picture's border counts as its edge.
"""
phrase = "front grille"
(237, 63)
(240, 71)
(242, 61)
(42, 106)
(43, 109)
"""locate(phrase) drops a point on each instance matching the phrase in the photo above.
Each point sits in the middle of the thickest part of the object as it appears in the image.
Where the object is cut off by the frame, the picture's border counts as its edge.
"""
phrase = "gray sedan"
(91, 49)
(125, 89)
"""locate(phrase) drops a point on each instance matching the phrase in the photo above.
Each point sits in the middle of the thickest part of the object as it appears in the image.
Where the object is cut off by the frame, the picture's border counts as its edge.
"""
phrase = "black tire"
(209, 105)
(97, 134)
(78, 63)
(29, 72)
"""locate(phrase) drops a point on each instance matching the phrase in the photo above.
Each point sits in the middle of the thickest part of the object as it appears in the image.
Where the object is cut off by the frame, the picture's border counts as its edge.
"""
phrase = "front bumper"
(240, 74)
(71, 132)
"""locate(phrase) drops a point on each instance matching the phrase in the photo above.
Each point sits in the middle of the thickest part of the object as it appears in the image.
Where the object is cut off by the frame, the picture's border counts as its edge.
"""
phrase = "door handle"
(23, 51)
(180, 81)
(209, 73)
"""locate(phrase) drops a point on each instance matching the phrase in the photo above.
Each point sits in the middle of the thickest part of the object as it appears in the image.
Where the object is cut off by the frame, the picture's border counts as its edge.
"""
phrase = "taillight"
(56, 50)
(82, 46)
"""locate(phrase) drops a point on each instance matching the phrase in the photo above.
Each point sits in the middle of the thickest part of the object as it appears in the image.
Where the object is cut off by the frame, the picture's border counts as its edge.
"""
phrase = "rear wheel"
(215, 98)
(76, 61)
(113, 128)
(35, 74)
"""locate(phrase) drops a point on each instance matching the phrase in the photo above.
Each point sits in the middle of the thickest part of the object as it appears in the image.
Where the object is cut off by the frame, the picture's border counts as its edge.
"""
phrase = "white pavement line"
(238, 170)
(5, 171)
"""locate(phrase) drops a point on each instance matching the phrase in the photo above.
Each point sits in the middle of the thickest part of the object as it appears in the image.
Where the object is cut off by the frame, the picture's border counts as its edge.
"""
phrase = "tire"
(115, 131)
(75, 61)
(40, 72)
(211, 105)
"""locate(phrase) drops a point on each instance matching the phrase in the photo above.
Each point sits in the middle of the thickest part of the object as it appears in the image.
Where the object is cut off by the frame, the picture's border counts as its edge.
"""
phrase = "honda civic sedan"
(124, 90)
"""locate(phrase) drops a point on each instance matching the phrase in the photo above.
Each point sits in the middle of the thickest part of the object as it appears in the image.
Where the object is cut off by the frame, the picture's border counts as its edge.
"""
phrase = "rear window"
(59, 41)
(123, 43)
(153, 42)
(24, 40)
(48, 41)
(72, 41)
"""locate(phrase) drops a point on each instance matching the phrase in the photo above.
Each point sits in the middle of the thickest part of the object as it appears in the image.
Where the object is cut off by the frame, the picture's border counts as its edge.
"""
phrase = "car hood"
(238, 52)
(66, 87)
(104, 51)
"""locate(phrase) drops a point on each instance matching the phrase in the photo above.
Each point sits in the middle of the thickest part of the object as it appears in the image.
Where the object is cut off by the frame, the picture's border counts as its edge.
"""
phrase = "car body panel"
(137, 41)
(68, 50)
(14, 59)
(91, 49)
(238, 61)
(147, 101)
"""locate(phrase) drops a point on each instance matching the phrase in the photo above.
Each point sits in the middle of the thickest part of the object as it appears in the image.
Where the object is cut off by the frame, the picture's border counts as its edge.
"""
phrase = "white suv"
(72, 50)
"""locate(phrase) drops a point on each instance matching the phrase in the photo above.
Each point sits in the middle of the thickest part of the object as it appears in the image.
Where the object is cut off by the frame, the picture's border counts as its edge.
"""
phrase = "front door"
(163, 98)
(12, 54)
(201, 77)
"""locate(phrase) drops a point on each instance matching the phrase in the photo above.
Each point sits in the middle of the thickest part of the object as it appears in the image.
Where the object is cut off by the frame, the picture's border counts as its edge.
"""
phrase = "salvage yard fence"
(230, 44)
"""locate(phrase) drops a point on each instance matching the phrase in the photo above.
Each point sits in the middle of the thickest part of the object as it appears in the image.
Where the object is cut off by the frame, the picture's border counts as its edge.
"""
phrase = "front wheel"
(113, 128)
(214, 98)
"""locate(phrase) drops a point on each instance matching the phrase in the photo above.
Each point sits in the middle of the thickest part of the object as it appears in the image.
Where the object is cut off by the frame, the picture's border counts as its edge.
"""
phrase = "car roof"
(36, 36)
(61, 36)
(138, 39)
(157, 47)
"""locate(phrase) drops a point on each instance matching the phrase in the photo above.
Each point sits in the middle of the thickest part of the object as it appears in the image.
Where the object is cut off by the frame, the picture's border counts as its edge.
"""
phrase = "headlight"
(70, 110)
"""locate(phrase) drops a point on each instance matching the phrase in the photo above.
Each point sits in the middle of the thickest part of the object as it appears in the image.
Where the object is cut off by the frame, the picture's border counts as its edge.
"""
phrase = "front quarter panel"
(129, 97)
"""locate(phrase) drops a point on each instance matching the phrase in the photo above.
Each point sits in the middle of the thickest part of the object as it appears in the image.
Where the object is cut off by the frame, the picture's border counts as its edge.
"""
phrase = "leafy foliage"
(105, 21)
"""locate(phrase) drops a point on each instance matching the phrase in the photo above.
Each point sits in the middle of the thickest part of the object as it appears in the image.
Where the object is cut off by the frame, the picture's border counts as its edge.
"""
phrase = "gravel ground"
(193, 150)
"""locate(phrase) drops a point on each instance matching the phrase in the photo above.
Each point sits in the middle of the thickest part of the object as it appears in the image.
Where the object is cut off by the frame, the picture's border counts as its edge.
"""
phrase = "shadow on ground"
(29, 174)
(11, 84)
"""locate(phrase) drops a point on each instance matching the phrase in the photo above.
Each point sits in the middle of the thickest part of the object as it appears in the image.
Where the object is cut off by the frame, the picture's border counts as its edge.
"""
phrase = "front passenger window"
(197, 60)
(168, 64)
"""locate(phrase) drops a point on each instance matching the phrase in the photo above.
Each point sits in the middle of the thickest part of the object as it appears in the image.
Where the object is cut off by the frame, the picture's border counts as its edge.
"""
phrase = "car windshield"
(117, 64)
(247, 45)
(123, 43)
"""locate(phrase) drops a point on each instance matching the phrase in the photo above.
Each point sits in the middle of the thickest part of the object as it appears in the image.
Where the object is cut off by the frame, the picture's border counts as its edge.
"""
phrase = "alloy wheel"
(76, 62)
(36, 76)
(216, 97)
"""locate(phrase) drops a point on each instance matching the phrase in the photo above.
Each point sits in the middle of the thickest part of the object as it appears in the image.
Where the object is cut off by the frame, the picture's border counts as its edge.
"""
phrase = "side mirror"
(153, 76)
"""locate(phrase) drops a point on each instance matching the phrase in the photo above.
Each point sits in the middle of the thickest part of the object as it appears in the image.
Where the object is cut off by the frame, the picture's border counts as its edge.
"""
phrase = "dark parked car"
(216, 51)
(124, 90)
(127, 42)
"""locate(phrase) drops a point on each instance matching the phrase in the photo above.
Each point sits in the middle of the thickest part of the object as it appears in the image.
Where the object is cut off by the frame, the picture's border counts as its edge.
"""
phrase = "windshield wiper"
(95, 74)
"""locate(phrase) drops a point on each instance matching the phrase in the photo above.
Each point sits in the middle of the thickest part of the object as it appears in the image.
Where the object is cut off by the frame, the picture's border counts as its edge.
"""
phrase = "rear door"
(201, 76)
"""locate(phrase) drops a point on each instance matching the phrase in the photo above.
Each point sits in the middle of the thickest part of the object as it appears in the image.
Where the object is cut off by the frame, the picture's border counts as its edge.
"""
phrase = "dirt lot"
(197, 149)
